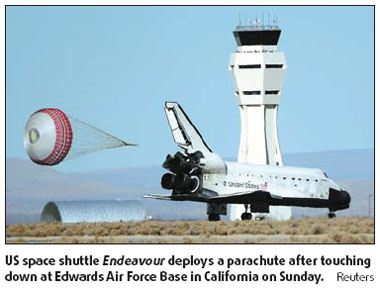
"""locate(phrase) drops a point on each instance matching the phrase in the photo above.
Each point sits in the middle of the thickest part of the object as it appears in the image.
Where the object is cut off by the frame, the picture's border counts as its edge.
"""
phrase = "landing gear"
(213, 217)
(246, 215)
(214, 210)
(331, 215)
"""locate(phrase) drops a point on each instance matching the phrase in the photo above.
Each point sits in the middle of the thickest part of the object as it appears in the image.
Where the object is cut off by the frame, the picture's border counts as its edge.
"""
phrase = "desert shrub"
(318, 230)
(339, 230)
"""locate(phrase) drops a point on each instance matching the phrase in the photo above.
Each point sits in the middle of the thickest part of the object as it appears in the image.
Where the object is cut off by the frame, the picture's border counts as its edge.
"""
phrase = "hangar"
(93, 211)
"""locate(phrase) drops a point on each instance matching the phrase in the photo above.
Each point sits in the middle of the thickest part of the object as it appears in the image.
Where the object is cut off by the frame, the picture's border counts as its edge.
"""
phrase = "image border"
(187, 243)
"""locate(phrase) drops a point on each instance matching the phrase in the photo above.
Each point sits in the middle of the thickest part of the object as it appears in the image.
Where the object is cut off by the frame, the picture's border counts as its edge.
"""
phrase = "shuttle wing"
(163, 197)
(185, 134)
(238, 197)
(180, 197)
(244, 197)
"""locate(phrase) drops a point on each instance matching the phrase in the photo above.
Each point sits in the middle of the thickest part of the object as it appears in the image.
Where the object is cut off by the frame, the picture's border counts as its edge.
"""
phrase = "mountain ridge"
(30, 186)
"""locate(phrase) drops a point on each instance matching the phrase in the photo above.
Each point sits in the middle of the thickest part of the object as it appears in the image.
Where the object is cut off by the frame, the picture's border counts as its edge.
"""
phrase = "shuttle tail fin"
(185, 134)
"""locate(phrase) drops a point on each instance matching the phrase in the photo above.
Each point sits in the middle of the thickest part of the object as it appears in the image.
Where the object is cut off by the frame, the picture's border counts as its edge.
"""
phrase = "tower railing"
(256, 27)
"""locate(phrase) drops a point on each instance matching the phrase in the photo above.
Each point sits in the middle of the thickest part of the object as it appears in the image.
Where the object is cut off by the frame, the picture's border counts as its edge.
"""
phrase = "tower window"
(272, 92)
(274, 65)
(251, 92)
(247, 66)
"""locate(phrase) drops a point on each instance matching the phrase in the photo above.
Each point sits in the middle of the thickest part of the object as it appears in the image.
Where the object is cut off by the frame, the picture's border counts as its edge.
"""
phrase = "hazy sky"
(114, 67)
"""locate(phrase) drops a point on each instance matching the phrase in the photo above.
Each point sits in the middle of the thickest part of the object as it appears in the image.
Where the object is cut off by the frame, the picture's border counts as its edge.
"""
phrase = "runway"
(307, 230)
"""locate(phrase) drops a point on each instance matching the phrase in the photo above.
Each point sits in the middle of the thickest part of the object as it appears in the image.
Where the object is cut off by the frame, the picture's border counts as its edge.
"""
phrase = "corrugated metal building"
(93, 211)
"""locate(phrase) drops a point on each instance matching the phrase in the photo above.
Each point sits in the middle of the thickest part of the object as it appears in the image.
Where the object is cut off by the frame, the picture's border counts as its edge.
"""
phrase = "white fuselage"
(282, 181)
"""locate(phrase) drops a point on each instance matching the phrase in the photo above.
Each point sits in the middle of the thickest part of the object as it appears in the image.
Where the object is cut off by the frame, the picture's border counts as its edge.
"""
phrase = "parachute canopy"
(51, 136)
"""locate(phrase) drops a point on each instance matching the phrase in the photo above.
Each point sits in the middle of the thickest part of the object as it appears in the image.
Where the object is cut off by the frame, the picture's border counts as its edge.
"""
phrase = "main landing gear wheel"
(246, 216)
(331, 215)
(213, 217)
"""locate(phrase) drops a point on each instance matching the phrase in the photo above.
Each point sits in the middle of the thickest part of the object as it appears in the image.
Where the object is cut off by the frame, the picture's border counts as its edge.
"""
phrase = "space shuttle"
(196, 173)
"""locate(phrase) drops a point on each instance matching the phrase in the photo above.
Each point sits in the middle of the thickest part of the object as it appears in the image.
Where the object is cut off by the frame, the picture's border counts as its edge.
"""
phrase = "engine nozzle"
(167, 161)
(184, 182)
(167, 181)
(179, 165)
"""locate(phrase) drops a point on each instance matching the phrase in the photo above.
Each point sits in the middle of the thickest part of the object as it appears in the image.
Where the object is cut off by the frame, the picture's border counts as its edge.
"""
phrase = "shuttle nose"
(339, 199)
(345, 197)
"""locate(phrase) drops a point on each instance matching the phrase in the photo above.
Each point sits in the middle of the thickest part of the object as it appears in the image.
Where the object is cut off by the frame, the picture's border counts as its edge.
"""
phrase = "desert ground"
(306, 230)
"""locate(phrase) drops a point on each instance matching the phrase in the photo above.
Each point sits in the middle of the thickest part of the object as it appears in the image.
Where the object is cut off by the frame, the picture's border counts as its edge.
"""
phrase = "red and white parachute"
(51, 136)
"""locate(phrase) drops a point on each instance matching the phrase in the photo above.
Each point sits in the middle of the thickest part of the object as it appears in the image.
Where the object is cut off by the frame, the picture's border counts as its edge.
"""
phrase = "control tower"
(258, 72)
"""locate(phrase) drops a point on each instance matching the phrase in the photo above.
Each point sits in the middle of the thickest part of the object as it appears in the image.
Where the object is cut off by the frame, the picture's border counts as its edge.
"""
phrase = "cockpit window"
(324, 173)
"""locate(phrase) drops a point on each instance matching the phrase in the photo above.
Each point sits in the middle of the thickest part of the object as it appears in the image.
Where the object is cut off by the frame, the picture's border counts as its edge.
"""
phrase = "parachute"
(51, 136)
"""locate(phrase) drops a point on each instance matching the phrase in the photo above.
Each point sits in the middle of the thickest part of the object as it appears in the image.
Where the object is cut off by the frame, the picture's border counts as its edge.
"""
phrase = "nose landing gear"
(246, 215)
(331, 215)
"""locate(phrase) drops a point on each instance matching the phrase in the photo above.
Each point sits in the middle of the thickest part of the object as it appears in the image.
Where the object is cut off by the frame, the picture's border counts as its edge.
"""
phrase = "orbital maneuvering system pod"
(258, 72)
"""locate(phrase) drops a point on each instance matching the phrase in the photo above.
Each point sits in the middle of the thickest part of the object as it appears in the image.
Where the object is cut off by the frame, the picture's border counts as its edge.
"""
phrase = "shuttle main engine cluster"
(186, 173)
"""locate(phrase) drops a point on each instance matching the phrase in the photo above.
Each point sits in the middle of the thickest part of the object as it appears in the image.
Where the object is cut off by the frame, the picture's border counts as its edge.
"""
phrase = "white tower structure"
(258, 72)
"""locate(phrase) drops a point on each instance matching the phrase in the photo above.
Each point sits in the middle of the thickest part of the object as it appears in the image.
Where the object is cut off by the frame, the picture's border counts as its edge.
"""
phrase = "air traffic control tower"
(258, 72)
